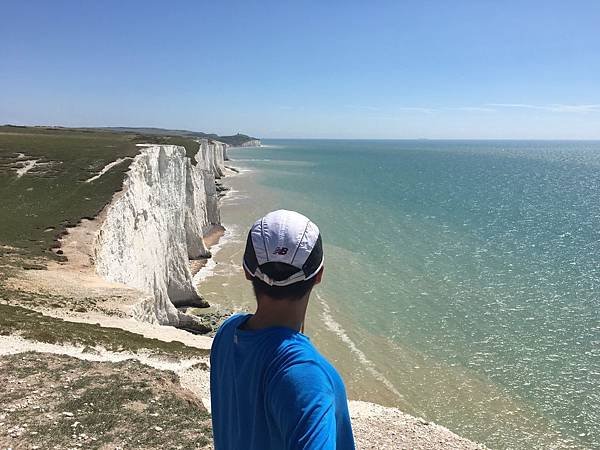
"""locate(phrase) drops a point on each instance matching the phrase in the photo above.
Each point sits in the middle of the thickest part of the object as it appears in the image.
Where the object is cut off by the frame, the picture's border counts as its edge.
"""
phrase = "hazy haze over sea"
(462, 277)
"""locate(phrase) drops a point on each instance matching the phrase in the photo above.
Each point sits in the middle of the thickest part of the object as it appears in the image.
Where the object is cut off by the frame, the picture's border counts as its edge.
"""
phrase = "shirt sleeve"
(300, 399)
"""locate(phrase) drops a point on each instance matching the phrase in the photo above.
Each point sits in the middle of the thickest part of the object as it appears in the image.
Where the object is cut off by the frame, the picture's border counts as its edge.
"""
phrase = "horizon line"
(432, 139)
(472, 138)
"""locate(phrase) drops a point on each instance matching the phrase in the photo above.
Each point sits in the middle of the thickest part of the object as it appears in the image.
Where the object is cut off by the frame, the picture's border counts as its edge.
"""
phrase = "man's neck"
(278, 313)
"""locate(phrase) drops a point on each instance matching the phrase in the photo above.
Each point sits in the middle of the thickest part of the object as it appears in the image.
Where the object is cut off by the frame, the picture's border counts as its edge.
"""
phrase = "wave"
(338, 330)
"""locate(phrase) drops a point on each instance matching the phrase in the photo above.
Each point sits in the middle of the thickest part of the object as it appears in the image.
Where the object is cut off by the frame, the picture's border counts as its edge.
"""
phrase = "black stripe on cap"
(314, 260)
(250, 259)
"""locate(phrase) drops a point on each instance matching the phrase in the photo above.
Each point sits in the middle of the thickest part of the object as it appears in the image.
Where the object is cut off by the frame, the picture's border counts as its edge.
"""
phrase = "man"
(270, 387)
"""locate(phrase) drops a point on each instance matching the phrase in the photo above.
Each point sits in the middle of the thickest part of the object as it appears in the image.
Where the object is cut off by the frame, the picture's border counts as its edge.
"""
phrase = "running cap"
(283, 237)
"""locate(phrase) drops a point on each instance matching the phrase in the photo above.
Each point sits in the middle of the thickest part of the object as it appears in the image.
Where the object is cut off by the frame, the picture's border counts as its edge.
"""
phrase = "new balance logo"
(280, 251)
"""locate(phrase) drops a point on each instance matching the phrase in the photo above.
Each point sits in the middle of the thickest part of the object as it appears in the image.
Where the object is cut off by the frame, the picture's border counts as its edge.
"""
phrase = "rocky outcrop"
(375, 426)
(156, 225)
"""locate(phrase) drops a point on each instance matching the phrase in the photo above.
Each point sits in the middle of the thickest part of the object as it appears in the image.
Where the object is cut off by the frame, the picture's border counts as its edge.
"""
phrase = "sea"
(462, 278)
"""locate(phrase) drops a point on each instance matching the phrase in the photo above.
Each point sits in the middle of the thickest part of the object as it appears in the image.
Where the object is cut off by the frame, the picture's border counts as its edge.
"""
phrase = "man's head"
(284, 256)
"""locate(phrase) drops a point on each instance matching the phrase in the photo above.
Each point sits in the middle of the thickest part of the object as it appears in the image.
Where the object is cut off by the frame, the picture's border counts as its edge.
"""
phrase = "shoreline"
(211, 240)
(224, 286)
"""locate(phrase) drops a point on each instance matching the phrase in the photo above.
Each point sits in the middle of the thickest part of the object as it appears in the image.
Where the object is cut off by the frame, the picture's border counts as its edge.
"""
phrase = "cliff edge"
(157, 224)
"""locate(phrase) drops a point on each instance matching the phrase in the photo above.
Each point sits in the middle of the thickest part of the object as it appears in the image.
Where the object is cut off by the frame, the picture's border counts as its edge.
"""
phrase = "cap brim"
(292, 279)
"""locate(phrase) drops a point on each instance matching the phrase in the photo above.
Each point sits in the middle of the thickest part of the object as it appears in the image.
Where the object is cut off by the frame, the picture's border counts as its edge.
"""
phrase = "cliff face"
(251, 143)
(211, 156)
(157, 224)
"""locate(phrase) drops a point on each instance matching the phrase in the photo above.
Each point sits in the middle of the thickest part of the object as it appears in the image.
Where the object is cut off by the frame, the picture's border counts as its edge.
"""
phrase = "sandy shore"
(210, 240)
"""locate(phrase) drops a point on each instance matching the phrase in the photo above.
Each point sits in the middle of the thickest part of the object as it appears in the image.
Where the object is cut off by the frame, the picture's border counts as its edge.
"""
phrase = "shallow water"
(462, 277)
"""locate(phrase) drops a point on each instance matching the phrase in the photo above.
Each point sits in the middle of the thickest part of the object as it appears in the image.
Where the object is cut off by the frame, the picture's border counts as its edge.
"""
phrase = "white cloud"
(560, 108)
(575, 108)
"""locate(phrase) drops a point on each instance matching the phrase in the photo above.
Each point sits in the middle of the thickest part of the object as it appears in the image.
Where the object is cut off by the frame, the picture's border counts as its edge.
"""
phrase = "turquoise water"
(482, 257)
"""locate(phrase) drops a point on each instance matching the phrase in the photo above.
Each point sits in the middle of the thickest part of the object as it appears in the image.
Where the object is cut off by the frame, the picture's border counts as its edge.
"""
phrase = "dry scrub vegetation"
(54, 401)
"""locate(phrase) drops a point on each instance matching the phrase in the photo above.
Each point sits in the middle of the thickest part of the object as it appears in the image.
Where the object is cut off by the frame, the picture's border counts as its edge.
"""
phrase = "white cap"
(284, 237)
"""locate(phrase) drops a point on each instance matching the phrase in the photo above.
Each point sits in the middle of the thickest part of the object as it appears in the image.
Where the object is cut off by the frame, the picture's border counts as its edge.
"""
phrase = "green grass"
(35, 326)
(191, 146)
(37, 208)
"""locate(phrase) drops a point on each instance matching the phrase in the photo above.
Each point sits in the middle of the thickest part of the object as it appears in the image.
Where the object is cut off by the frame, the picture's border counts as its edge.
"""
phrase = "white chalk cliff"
(157, 224)
(252, 143)
(212, 156)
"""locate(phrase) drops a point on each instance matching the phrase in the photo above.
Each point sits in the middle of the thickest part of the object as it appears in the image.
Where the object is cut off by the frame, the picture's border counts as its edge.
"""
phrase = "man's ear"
(248, 276)
(319, 276)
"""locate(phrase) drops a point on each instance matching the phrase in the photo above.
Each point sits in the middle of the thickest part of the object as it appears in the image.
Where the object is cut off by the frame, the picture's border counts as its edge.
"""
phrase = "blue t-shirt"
(271, 389)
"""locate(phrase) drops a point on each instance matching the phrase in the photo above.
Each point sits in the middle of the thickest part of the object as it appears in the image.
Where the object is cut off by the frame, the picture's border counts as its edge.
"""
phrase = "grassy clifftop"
(38, 204)
(43, 173)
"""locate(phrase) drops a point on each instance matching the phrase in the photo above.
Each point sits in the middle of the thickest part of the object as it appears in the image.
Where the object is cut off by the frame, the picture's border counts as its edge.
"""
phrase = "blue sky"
(331, 69)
